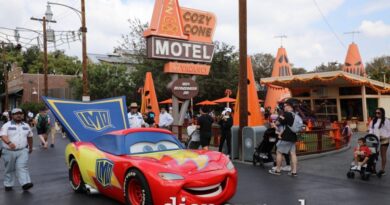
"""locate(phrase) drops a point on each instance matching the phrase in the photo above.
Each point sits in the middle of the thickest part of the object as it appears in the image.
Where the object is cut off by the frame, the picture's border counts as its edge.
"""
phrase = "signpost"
(185, 35)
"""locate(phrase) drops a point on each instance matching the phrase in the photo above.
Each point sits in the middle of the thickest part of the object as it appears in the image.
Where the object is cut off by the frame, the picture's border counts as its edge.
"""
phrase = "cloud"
(375, 28)
(376, 6)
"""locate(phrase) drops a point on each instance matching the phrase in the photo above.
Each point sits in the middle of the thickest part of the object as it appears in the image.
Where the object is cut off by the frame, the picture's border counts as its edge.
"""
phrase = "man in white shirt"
(17, 144)
(166, 119)
(135, 118)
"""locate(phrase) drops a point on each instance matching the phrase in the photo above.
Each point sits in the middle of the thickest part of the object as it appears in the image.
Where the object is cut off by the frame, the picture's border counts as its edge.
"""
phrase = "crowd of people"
(16, 135)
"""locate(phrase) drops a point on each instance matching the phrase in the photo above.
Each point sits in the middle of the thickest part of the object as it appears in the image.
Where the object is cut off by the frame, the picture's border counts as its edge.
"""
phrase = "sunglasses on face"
(378, 113)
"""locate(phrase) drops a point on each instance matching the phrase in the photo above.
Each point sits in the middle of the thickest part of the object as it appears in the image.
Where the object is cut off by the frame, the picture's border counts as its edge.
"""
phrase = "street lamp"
(47, 18)
(83, 30)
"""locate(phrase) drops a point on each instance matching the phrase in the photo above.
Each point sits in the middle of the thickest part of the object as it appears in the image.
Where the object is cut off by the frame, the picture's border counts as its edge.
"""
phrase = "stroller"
(263, 152)
(365, 172)
(193, 141)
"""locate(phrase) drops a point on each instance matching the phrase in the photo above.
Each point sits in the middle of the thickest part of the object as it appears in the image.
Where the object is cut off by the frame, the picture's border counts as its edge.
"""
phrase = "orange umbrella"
(207, 102)
(225, 100)
(168, 101)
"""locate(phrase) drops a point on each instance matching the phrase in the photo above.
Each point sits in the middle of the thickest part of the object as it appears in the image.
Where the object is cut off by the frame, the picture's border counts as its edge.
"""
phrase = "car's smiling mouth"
(207, 191)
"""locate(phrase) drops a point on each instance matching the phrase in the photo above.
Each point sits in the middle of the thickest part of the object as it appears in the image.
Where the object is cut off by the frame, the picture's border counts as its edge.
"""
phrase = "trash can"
(234, 144)
(251, 137)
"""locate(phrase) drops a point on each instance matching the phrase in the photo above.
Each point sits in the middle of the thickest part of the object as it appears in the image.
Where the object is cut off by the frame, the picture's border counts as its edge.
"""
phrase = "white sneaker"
(273, 168)
(358, 168)
(286, 168)
(354, 168)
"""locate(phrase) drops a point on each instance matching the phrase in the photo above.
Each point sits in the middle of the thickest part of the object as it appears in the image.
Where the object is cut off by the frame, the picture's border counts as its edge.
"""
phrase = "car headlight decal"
(170, 176)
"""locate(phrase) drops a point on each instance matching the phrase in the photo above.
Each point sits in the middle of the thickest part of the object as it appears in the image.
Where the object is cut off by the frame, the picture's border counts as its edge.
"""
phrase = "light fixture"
(48, 13)
(34, 92)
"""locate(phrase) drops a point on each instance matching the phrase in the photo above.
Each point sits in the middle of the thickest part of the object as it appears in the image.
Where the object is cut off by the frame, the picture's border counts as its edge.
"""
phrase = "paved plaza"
(321, 181)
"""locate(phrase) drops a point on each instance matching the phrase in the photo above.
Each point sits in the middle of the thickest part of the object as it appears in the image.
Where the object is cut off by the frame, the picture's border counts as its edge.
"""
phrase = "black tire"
(349, 175)
(137, 189)
(352, 175)
(75, 179)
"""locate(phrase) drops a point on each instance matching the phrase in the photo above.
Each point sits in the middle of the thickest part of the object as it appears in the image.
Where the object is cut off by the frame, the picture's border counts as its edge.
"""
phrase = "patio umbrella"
(207, 102)
(168, 101)
(226, 100)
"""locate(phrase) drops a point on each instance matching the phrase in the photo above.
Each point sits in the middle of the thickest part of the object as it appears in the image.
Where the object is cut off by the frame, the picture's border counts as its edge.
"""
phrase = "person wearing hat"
(226, 123)
(136, 119)
(17, 144)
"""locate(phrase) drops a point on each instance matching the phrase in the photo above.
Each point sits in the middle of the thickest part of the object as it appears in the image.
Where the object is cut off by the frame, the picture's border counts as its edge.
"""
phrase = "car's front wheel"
(137, 190)
(75, 178)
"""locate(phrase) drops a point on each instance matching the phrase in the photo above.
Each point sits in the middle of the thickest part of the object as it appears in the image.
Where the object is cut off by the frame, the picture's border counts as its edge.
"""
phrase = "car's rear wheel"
(75, 178)
(137, 189)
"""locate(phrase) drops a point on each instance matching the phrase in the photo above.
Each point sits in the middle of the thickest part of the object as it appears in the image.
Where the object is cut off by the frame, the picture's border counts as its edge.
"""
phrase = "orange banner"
(187, 68)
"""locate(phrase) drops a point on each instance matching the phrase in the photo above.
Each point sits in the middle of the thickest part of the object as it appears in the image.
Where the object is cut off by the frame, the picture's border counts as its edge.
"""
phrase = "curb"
(306, 157)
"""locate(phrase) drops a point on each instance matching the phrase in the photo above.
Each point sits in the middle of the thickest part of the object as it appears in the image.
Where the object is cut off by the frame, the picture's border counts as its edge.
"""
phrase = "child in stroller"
(365, 157)
(263, 152)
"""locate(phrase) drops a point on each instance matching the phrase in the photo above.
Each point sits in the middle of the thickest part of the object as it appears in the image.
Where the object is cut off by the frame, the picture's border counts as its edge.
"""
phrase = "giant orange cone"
(149, 97)
(255, 118)
(353, 61)
(281, 68)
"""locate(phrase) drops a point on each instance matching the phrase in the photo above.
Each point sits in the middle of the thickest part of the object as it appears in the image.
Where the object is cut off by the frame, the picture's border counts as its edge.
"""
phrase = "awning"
(339, 78)
(12, 92)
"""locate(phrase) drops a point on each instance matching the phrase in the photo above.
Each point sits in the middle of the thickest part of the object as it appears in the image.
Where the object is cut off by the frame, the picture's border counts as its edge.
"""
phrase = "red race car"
(150, 166)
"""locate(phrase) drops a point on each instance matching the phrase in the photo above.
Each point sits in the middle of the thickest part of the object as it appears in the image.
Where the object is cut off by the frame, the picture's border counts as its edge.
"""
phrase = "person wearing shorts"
(380, 127)
(42, 124)
(288, 138)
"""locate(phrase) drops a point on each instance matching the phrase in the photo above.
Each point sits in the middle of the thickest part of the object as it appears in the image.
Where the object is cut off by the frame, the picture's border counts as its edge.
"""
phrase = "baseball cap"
(16, 110)
(228, 109)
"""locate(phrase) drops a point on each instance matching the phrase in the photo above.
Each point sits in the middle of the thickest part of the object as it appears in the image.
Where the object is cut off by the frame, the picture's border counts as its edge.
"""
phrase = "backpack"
(297, 126)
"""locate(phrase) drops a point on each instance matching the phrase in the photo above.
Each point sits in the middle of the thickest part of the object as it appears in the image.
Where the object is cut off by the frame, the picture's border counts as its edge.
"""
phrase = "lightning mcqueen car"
(149, 166)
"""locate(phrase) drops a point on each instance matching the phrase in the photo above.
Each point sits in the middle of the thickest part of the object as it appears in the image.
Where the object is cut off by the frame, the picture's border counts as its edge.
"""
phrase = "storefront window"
(326, 109)
(350, 90)
(372, 104)
(351, 109)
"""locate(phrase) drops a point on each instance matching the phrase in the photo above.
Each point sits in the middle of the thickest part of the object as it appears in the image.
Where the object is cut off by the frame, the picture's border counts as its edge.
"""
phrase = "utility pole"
(44, 21)
(5, 76)
(243, 84)
(83, 29)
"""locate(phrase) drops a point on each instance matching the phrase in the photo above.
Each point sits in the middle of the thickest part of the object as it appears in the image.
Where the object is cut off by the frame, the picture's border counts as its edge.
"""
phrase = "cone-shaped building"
(281, 68)
(353, 61)
(255, 118)
(149, 97)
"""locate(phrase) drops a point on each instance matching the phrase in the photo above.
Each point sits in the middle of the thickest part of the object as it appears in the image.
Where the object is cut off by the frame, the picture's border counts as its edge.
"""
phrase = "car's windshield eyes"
(145, 147)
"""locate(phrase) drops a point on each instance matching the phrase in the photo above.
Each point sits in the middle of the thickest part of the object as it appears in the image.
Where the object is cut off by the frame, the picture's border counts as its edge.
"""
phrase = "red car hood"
(186, 161)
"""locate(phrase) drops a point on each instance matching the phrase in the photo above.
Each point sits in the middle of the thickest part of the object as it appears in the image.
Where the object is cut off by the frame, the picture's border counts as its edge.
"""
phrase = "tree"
(298, 71)
(58, 63)
(379, 68)
(262, 64)
(105, 80)
(223, 73)
(331, 66)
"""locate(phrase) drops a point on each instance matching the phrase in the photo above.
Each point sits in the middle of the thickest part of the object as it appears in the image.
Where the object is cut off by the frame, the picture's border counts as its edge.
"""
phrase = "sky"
(314, 28)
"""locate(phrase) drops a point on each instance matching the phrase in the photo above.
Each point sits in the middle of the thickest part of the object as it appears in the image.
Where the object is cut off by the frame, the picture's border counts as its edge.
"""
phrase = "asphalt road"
(320, 181)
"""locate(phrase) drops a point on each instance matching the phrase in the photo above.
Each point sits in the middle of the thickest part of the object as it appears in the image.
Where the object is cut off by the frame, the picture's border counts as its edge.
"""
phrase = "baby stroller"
(193, 141)
(366, 170)
(263, 152)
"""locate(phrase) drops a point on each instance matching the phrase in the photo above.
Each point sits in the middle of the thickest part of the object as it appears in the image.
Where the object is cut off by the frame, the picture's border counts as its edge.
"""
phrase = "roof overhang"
(335, 78)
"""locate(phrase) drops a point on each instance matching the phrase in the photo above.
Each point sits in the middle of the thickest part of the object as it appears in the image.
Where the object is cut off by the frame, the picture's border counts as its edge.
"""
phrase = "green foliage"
(105, 80)
(58, 63)
(331, 66)
(379, 68)
(262, 64)
(223, 74)
(32, 106)
(298, 71)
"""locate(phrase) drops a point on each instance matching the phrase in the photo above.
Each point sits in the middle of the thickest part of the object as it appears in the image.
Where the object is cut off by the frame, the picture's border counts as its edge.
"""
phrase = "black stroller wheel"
(350, 175)
(254, 160)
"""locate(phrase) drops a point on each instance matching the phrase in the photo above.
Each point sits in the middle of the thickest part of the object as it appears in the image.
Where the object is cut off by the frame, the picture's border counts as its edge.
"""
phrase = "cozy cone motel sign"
(182, 35)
